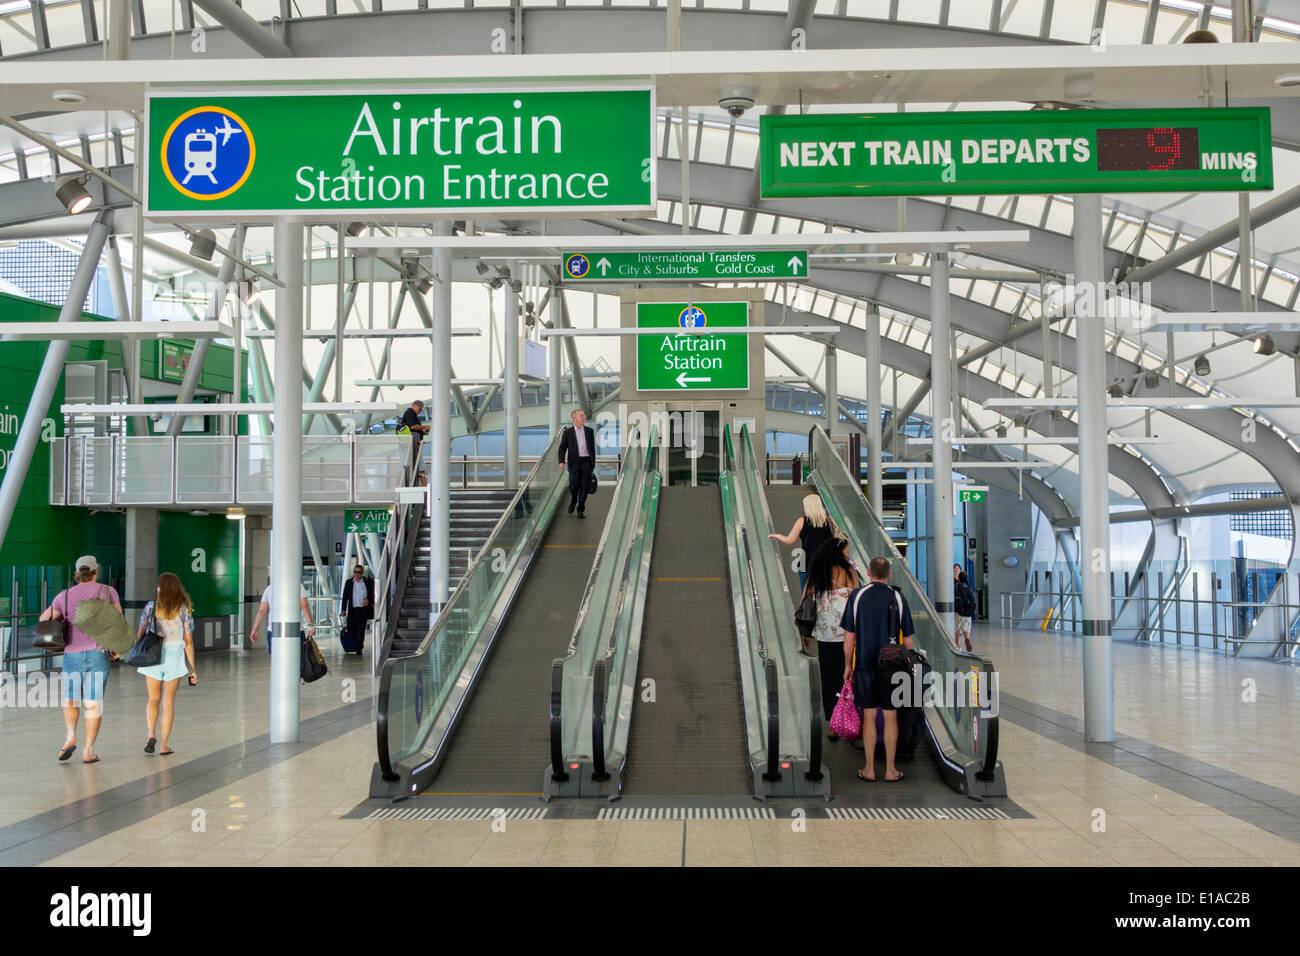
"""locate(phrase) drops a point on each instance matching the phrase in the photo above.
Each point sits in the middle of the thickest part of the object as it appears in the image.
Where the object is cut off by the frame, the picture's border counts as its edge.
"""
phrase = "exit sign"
(690, 355)
(750, 265)
(971, 496)
(1018, 543)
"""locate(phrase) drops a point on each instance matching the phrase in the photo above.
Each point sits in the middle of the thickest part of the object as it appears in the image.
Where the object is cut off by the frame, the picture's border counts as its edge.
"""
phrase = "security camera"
(735, 98)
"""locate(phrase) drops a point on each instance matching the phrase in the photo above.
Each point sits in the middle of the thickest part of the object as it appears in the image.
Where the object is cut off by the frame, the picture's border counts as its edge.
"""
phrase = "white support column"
(941, 583)
(439, 437)
(553, 357)
(29, 433)
(1094, 504)
(510, 378)
(874, 467)
(286, 501)
(832, 374)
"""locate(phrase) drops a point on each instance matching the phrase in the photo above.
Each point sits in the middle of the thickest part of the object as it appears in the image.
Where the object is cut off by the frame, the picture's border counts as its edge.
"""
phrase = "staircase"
(474, 513)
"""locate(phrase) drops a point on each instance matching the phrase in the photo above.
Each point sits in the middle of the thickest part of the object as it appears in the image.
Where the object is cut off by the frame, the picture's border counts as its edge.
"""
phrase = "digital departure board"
(1008, 152)
(1150, 150)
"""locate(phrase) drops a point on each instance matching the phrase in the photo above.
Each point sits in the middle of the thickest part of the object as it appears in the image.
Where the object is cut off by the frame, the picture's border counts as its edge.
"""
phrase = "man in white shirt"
(578, 447)
(356, 608)
(264, 612)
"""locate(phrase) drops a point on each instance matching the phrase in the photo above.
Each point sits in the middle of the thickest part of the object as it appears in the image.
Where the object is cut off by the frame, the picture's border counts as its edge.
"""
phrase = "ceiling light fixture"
(1202, 365)
(251, 292)
(357, 230)
(1264, 345)
(1287, 81)
(424, 286)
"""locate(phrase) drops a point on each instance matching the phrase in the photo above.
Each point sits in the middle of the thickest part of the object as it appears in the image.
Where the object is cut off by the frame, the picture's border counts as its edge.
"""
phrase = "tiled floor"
(229, 798)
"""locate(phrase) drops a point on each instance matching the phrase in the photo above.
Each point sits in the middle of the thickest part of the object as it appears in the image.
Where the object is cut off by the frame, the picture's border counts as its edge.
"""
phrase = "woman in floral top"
(173, 618)
(831, 578)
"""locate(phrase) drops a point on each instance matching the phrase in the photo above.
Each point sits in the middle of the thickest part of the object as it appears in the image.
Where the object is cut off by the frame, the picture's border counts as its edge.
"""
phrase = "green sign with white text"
(366, 520)
(688, 356)
(327, 154)
(756, 265)
(1012, 152)
(971, 496)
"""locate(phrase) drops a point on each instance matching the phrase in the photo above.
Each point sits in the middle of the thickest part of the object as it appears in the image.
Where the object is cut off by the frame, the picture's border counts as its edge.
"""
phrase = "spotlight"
(1151, 380)
(1202, 365)
(1116, 390)
(530, 318)
(496, 283)
(424, 286)
(357, 230)
(482, 268)
(1002, 431)
(71, 191)
(203, 244)
(516, 286)
(904, 258)
(1201, 36)
(1264, 345)
(251, 292)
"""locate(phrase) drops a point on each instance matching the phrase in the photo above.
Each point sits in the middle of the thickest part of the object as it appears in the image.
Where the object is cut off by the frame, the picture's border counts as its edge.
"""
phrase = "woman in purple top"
(85, 663)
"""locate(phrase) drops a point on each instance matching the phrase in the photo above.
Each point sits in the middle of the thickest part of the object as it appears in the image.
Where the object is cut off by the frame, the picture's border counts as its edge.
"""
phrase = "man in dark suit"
(578, 446)
(356, 608)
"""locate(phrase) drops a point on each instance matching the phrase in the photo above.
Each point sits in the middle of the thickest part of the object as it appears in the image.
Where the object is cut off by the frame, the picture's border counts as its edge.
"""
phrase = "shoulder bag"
(894, 656)
(148, 650)
(51, 635)
(313, 662)
(104, 624)
(805, 617)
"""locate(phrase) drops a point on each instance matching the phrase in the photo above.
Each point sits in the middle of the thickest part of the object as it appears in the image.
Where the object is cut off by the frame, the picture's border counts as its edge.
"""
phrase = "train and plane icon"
(201, 150)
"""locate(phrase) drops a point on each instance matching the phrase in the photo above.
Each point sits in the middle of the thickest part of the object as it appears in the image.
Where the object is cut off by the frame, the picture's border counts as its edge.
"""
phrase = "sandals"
(150, 745)
(66, 752)
(864, 778)
(867, 779)
(165, 753)
(896, 779)
(91, 760)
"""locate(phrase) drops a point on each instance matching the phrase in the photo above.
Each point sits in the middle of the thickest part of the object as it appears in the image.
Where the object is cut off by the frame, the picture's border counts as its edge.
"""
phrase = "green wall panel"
(211, 542)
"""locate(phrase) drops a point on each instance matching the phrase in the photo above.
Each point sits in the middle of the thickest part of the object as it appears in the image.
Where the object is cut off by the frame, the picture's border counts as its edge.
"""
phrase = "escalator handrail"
(773, 771)
(991, 749)
(558, 772)
(385, 681)
(599, 688)
(815, 737)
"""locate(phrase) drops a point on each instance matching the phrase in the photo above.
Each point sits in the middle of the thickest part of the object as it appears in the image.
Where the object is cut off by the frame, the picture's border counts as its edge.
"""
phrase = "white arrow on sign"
(603, 265)
(682, 379)
(795, 262)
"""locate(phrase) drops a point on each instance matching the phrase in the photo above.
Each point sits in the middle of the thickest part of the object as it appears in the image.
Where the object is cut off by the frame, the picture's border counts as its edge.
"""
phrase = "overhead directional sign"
(972, 496)
(329, 154)
(698, 360)
(366, 520)
(1025, 151)
(762, 265)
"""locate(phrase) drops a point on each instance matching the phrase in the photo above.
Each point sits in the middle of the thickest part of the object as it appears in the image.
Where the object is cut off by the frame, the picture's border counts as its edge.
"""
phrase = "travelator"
(606, 737)
(963, 735)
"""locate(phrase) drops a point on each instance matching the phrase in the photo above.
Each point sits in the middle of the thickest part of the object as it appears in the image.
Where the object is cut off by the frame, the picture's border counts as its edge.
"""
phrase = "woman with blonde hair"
(171, 617)
(812, 529)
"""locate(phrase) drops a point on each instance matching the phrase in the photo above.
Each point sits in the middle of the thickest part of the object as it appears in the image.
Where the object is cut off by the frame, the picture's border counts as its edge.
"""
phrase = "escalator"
(690, 739)
(689, 680)
(462, 714)
(960, 742)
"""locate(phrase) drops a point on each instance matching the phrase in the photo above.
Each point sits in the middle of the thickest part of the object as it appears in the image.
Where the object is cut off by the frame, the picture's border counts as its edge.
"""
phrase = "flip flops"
(91, 760)
(66, 752)
(150, 745)
(165, 753)
(896, 779)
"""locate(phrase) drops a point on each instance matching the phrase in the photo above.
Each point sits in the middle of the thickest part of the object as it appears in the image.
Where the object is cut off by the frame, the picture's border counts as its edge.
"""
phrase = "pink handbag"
(846, 722)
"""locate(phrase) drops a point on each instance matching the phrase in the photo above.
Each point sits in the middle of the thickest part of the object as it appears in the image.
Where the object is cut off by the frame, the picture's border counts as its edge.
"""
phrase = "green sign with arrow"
(366, 520)
(752, 265)
(689, 356)
(971, 496)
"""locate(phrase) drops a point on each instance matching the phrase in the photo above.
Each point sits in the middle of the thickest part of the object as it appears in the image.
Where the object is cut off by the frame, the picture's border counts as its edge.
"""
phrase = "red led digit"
(1164, 141)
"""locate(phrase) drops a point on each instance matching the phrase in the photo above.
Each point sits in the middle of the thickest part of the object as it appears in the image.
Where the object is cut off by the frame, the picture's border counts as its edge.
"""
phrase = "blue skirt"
(173, 666)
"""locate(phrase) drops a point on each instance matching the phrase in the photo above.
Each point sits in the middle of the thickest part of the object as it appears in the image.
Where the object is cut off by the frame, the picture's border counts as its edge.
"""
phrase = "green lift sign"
(756, 265)
(366, 520)
(338, 155)
(683, 361)
(1009, 152)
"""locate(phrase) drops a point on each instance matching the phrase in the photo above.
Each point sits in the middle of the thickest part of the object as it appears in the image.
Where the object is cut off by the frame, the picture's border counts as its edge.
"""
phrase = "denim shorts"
(84, 675)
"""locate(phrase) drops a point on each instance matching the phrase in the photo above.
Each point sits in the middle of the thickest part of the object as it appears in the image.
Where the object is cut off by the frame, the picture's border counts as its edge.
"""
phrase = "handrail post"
(175, 443)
